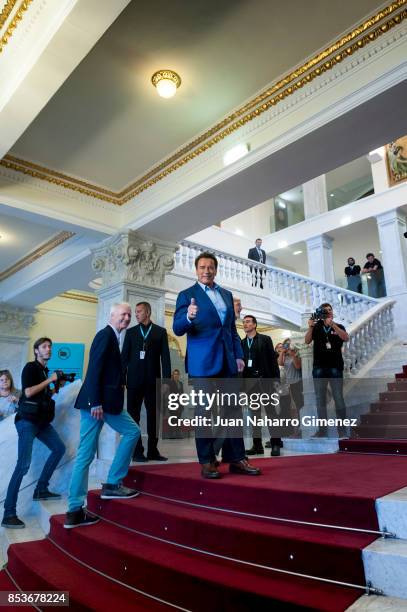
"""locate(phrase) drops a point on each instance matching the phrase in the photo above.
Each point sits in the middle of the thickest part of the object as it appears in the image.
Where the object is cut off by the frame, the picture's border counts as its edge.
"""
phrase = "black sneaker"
(38, 495)
(12, 522)
(268, 444)
(110, 491)
(79, 518)
(275, 450)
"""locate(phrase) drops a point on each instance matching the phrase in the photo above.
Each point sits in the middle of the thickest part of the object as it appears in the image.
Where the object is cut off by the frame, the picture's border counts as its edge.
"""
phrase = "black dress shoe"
(208, 470)
(244, 467)
(275, 451)
(255, 451)
(140, 459)
(156, 457)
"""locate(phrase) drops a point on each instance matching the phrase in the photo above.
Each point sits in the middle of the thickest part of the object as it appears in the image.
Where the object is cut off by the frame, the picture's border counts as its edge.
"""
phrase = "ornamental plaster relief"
(132, 257)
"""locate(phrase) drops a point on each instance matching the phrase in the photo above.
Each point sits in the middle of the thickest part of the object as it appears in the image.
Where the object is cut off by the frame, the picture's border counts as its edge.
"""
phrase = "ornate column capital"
(133, 257)
(15, 321)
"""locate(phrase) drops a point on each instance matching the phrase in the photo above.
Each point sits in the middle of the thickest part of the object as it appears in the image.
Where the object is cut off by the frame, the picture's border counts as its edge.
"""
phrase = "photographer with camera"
(328, 338)
(35, 411)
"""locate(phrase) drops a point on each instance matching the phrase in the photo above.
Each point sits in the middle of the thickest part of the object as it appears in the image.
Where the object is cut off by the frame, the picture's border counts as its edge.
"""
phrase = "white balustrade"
(301, 292)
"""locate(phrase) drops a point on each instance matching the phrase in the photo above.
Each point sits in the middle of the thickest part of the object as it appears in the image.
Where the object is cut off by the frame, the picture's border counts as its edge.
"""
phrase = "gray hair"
(116, 305)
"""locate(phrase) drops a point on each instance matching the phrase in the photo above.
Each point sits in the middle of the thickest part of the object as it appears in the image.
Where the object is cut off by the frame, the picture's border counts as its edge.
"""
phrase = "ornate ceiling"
(107, 133)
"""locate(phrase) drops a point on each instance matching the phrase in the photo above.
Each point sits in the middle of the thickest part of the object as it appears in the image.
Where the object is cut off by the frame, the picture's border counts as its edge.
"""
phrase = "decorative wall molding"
(133, 257)
(15, 321)
(80, 297)
(36, 254)
(348, 47)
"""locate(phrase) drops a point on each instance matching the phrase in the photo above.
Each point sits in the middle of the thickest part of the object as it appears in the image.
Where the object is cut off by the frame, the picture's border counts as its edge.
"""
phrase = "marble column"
(315, 198)
(391, 226)
(15, 325)
(132, 267)
(320, 258)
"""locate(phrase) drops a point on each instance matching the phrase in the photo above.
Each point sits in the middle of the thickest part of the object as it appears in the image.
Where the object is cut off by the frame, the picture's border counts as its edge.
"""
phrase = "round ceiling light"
(166, 82)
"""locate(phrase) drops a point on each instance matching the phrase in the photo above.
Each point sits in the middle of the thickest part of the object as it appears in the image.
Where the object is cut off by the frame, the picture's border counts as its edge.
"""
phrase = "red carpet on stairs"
(334, 489)
(167, 544)
(384, 428)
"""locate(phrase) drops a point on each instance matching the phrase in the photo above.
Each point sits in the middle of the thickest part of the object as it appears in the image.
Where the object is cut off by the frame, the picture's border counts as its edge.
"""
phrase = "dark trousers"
(207, 447)
(271, 413)
(135, 397)
(333, 376)
(27, 432)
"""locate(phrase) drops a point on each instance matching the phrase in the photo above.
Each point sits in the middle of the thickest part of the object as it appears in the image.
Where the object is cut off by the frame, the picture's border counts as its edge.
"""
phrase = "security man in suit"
(205, 313)
(100, 401)
(260, 363)
(146, 358)
(257, 254)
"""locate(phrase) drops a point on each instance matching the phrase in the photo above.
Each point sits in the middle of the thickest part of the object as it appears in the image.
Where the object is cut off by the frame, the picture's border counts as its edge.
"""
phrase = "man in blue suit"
(205, 313)
(100, 401)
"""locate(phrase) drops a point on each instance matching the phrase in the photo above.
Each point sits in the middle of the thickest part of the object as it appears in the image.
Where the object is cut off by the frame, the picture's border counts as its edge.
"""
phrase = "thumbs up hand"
(192, 310)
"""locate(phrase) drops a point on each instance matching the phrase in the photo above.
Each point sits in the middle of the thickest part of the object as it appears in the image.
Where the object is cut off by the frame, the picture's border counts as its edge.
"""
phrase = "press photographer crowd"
(252, 374)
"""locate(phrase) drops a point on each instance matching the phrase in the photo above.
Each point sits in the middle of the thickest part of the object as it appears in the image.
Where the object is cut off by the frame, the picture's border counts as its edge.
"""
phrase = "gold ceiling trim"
(36, 254)
(354, 41)
(57, 178)
(80, 297)
(18, 16)
(6, 11)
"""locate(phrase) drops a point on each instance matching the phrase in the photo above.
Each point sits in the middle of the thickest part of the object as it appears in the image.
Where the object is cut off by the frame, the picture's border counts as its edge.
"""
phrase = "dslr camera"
(320, 314)
(64, 376)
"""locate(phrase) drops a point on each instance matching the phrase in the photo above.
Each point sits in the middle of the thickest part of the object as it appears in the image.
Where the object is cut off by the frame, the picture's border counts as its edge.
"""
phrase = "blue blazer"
(104, 381)
(210, 345)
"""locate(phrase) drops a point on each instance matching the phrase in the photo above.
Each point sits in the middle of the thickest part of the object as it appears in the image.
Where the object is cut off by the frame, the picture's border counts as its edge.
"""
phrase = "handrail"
(302, 292)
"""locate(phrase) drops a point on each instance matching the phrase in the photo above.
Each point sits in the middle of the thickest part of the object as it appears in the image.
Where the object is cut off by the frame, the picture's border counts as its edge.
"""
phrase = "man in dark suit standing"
(146, 358)
(257, 254)
(205, 313)
(101, 400)
(260, 363)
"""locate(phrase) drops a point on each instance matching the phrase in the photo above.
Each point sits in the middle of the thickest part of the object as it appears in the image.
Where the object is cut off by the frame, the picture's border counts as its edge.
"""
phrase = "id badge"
(328, 345)
(250, 363)
(142, 354)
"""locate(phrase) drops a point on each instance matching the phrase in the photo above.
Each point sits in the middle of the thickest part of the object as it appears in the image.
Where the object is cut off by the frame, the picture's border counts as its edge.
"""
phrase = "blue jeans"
(27, 432)
(333, 376)
(89, 436)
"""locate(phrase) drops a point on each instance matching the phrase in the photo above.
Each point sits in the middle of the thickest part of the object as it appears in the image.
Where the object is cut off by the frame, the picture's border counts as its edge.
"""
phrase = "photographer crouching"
(36, 410)
(328, 338)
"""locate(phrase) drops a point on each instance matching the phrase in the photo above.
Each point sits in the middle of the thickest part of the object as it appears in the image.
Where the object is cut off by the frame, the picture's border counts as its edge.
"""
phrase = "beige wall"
(65, 320)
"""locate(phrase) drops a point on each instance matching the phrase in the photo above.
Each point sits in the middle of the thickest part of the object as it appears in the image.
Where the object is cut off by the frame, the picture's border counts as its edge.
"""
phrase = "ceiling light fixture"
(297, 252)
(236, 153)
(166, 82)
(345, 220)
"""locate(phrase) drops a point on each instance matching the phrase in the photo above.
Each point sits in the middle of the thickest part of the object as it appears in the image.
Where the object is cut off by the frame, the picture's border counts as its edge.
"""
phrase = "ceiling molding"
(5, 12)
(36, 254)
(81, 297)
(16, 19)
(351, 43)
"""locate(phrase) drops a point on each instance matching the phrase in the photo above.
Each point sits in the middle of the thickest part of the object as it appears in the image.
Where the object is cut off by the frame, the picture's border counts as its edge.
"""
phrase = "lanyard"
(145, 335)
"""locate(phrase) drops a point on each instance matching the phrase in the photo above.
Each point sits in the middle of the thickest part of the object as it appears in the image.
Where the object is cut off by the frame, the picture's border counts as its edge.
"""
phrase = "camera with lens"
(320, 314)
(64, 376)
